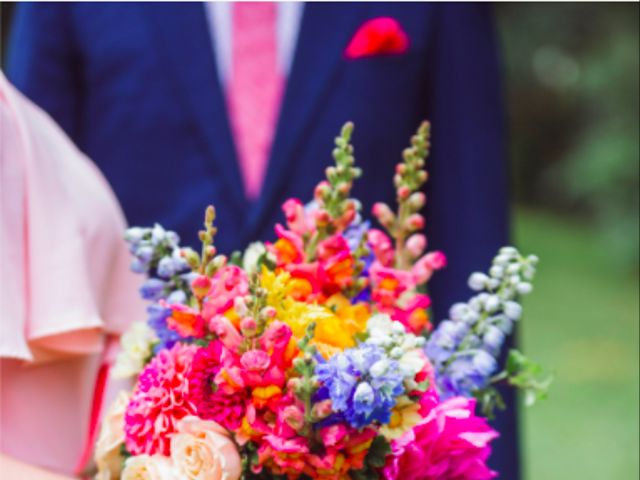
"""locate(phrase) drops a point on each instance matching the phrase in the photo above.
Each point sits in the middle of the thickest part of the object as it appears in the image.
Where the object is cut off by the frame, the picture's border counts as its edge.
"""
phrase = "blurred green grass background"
(581, 321)
(571, 83)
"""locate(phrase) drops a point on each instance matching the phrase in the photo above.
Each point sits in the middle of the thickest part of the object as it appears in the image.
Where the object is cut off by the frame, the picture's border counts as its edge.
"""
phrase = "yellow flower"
(329, 330)
(404, 416)
(354, 317)
(336, 323)
(265, 393)
(276, 285)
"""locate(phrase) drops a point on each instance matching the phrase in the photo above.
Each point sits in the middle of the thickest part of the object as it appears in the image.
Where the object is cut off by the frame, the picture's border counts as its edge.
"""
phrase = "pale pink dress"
(65, 288)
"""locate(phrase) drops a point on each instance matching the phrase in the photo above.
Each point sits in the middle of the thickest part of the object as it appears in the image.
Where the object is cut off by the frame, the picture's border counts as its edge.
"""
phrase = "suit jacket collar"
(186, 44)
(325, 31)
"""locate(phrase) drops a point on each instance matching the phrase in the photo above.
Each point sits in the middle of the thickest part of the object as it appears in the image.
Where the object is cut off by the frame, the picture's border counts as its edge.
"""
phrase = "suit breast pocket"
(381, 79)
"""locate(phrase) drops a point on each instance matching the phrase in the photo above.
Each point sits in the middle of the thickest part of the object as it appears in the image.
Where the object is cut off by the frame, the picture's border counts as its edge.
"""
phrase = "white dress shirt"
(289, 15)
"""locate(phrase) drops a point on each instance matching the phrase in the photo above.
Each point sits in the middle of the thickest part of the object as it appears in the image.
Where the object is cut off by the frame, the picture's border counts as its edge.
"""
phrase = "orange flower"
(186, 321)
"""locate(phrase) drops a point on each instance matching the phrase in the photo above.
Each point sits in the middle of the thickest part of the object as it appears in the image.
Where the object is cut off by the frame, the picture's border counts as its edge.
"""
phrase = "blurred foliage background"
(572, 85)
(571, 81)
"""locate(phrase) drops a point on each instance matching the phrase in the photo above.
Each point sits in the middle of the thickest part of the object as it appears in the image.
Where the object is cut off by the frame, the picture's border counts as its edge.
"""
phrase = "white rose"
(136, 346)
(145, 467)
(107, 454)
(204, 450)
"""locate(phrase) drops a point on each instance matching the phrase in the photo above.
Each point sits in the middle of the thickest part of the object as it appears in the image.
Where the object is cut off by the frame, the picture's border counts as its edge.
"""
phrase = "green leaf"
(378, 452)
(525, 375)
(489, 399)
(236, 258)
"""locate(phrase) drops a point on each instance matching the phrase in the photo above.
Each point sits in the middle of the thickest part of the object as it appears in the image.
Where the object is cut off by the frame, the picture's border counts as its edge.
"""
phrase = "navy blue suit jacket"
(136, 87)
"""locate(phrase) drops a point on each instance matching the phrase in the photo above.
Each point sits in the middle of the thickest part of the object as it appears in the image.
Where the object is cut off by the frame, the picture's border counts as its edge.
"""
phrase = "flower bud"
(248, 326)
(496, 271)
(493, 339)
(322, 410)
(512, 310)
(415, 221)
(416, 244)
(219, 261)
(166, 267)
(134, 234)
(458, 310)
(294, 384)
(513, 269)
(492, 303)
(144, 253)
(240, 306)
(508, 250)
(478, 281)
(437, 260)
(345, 188)
(268, 312)
(293, 416)
(201, 286)
(322, 217)
(501, 260)
(137, 266)
(191, 257)
(321, 190)
(383, 213)
(404, 192)
(524, 288)
(417, 200)
(152, 289)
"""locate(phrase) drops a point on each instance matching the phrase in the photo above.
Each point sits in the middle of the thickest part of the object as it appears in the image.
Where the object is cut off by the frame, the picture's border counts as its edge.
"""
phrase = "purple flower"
(464, 349)
(158, 322)
(153, 289)
(362, 383)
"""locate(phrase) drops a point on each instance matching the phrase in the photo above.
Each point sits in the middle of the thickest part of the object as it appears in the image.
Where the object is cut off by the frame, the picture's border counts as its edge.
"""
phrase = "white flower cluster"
(137, 344)
(509, 276)
(401, 345)
(252, 256)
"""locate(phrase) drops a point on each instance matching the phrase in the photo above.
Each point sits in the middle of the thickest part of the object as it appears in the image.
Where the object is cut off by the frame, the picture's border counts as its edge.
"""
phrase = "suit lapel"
(186, 43)
(325, 31)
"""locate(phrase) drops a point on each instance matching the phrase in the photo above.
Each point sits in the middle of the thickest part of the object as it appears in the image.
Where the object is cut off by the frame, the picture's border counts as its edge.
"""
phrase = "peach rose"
(146, 467)
(204, 450)
(107, 454)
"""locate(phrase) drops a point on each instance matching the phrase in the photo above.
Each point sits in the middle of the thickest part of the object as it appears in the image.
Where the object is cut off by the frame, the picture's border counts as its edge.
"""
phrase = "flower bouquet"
(313, 357)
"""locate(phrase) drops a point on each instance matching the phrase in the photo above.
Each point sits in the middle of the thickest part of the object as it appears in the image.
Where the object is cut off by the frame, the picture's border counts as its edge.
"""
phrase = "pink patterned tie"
(255, 89)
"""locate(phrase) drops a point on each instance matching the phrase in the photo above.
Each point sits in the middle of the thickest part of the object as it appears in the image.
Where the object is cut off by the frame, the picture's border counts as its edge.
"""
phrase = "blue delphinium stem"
(156, 253)
(464, 348)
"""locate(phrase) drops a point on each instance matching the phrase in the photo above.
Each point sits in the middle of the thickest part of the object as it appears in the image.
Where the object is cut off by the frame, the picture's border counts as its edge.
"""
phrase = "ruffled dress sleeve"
(65, 281)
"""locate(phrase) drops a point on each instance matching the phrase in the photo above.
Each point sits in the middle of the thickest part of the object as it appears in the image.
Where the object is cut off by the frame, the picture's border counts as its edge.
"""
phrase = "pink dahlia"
(452, 443)
(160, 399)
(215, 389)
